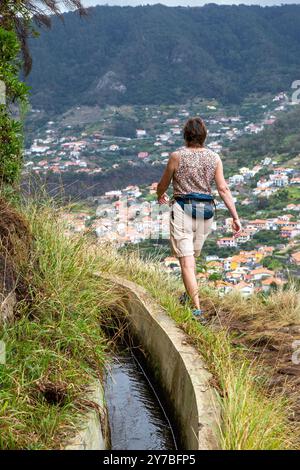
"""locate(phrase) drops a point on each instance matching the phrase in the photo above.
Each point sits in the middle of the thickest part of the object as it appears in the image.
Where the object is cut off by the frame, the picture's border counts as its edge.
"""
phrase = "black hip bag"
(197, 205)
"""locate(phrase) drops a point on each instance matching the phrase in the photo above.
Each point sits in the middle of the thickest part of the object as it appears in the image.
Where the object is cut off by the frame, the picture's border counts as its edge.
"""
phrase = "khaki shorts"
(187, 235)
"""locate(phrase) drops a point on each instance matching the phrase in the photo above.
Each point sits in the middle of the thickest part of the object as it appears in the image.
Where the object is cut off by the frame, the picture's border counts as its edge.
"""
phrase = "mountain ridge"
(157, 54)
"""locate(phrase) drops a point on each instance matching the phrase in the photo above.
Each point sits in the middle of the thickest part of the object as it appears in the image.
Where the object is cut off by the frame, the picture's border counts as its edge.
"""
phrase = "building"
(113, 194)
(236, 179)
(143, 155)
(289, 232)
(259, 224)
(114, 147)
(260, 273)
(270, 282)
(141, 133)
(245, 288)
(279, 180)
(226, 241)
(295, 180)
(243, 237)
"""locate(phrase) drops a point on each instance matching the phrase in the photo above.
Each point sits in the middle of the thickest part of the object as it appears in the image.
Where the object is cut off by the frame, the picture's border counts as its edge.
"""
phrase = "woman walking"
(192, 169)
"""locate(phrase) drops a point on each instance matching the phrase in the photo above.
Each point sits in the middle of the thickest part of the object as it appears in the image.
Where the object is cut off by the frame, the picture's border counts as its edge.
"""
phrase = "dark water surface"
(137, 420)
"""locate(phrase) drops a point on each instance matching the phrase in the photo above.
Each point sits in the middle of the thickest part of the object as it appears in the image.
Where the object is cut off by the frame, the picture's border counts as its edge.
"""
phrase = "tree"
(215, 277)
(272, 263)
(14, 92)
(17, 19)
(19, 16)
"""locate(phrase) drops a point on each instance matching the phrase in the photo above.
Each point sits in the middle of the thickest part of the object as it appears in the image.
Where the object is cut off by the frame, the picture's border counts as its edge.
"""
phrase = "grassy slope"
(251, 418)
(58, 345)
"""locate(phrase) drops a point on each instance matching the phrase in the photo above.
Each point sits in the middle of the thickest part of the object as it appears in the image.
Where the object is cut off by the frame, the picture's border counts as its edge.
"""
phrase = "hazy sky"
(187, 2)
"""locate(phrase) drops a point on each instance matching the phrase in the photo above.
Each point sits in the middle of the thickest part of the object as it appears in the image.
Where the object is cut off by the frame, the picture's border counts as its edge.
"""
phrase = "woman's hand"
(163, 199)
(236, 227)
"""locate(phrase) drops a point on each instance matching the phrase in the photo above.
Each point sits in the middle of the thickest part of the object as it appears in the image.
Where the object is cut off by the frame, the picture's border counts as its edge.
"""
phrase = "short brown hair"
(194, 131)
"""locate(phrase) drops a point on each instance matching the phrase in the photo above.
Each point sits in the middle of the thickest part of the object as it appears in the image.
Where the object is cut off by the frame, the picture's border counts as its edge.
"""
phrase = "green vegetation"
(16, 27)
(149, 249)
(284, 197)
(56, 346)
(18, 16)
(264, 237)
(251, 417)
(141, 56)
(272, 263)
(11, 140)
(281, 141)
(263, 207)
(123, 127)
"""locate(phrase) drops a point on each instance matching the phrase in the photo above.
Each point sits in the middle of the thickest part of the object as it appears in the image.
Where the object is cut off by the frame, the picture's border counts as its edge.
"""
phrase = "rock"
(110, 82)
(7, 307)
(7, 289)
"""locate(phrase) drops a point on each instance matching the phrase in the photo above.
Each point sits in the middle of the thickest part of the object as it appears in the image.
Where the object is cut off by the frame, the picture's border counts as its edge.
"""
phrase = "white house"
(226, 241)
(114, 147)
(279, 180)
(141, 133)
(236, 179)
(243, 237)
(245, 288)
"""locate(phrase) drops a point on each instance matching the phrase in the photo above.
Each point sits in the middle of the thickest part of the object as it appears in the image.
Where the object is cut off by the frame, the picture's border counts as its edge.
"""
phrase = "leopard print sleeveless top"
(195, 172)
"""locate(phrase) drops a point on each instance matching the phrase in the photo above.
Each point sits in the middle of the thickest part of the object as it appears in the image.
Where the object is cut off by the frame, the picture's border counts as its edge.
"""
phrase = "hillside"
(111, 151)
(57, 344)
(156, 54)
(281, 139)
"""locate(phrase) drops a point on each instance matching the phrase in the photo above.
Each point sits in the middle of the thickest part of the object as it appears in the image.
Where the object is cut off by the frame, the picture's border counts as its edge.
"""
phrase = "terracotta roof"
(242, 284)
(257, 221)
(234, 274)
(272, 280)
(261, 271)
(239, 259)
(222, 283)
(214, 263)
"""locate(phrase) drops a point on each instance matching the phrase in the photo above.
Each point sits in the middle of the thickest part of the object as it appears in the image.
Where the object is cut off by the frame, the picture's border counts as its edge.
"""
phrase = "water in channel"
(137, 418)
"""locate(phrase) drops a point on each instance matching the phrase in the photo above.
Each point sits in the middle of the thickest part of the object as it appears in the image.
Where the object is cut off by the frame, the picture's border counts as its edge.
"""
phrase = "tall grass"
(279, 308)
(56, 346)
(250, 419)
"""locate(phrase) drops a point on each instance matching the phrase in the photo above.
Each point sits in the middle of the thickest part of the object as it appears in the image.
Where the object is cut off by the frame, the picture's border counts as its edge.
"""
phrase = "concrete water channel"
(129, 413)
(137, 415)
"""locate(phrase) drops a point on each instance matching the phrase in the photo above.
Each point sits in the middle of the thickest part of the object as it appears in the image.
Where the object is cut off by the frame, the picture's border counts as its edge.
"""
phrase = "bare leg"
(188, 274)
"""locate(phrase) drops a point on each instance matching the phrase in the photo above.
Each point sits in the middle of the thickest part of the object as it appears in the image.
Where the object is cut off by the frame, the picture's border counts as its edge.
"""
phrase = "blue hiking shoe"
(199, 315)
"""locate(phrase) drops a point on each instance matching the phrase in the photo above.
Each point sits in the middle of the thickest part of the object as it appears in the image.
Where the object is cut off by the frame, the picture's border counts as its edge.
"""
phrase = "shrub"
(11, 138)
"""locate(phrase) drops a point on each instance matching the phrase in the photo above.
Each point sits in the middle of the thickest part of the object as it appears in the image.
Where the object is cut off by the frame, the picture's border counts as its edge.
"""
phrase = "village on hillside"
(128, 217)
(62, 146)
(132, 216)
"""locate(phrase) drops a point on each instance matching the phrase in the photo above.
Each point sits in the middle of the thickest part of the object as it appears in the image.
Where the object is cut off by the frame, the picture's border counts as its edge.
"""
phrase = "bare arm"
(225, 194)
(167, 175)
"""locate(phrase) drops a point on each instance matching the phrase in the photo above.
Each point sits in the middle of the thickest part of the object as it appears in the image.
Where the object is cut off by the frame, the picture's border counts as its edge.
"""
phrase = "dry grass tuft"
(253, 417)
